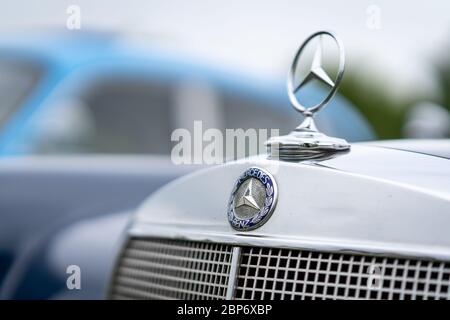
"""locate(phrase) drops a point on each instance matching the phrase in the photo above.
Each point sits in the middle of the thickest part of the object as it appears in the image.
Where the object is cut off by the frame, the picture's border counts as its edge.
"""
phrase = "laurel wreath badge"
(269, 201)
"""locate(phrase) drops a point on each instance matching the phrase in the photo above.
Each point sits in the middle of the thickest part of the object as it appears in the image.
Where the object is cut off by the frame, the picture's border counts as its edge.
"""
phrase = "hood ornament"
(306, 142)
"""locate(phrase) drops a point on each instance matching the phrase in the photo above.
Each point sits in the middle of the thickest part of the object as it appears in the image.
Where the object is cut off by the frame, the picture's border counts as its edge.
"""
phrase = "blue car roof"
(62, 54)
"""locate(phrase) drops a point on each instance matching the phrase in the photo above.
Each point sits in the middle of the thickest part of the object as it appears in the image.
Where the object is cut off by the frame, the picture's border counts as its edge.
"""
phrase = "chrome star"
(248, 199)
(306, 142)
(316, 71)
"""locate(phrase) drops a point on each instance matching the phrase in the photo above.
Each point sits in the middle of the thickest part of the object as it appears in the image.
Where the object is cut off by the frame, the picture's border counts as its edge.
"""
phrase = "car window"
(130, 115)
(244, 112)
(113, 116)
(17, 79)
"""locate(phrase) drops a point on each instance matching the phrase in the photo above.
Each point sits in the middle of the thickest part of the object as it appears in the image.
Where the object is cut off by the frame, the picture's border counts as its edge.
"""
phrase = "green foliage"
(443, 75)
(384, 112)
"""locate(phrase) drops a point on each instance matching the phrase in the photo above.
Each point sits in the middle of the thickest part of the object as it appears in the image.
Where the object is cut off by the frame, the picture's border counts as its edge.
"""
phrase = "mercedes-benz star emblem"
(252, 200)
(306, 142)
(316, 71)
(247, 199)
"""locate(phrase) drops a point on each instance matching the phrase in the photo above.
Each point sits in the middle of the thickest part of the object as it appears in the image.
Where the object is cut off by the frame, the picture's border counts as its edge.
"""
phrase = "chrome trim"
(243, 239)
(269, 272)
(317, 64)
(232, 276)
(306, 142)
(161, 268)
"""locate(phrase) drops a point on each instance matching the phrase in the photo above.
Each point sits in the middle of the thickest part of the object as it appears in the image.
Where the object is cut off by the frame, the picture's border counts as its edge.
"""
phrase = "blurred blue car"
(93, 93)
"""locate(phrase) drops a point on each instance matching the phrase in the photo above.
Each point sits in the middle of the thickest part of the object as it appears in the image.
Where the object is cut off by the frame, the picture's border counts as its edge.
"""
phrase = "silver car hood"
(376, 200)
(437, 147)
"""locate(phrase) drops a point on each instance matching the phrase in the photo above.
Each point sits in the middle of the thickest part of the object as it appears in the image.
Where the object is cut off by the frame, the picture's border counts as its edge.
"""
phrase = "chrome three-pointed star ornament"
(316, 72)
(306, 142)
(252, 200)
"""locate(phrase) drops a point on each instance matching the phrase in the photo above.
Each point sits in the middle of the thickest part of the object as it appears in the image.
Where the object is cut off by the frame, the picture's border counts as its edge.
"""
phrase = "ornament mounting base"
(306, 143)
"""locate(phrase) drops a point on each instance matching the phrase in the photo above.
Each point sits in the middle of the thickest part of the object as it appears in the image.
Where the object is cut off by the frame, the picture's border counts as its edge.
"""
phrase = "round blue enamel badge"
(252, 200)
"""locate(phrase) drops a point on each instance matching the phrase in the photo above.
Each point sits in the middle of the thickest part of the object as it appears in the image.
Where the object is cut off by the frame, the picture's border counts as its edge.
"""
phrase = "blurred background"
(120, 76)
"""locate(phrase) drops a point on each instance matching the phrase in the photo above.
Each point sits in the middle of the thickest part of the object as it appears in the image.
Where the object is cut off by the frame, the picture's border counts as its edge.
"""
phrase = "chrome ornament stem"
(308, 124)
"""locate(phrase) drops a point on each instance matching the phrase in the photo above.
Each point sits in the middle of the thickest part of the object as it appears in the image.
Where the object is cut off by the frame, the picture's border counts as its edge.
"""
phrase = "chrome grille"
(171, 269)
(177, 269)
(266, 273)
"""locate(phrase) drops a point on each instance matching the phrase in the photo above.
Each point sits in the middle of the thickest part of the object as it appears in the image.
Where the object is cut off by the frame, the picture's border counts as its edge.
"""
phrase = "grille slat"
(294, 274)
(170, 269)
(179, 269)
